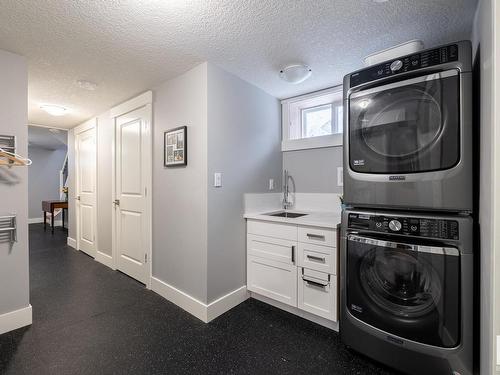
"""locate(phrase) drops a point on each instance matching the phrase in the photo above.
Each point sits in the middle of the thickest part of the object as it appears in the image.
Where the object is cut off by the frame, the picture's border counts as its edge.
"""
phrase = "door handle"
(293, 254)
(77, 198)
(116, 202)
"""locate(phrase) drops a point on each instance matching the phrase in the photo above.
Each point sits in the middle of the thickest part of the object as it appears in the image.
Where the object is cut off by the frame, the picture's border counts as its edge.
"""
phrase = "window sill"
(314, 142)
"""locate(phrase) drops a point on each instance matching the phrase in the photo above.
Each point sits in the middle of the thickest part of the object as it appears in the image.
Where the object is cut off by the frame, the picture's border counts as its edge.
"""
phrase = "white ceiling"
(128, 46)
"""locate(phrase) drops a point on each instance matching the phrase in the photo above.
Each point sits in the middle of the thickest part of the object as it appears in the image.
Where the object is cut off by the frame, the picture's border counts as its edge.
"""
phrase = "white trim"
(16, 319)
(202, 311)
(332, 140)
(226, 303)
(296, 311)
(48, 127)
(105, 259)
(132, 104)
(143, 100)
(71, 242)
(38, 220)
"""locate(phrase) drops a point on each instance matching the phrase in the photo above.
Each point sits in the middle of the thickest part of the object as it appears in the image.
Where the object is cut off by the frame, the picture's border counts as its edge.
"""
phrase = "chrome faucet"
(286, 190)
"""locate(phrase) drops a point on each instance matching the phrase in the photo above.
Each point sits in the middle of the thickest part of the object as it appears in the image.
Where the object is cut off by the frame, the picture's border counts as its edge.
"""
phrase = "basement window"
(313, 120)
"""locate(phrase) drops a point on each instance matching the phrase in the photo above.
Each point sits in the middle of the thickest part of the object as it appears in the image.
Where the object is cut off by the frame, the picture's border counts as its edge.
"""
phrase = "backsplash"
(322, 202)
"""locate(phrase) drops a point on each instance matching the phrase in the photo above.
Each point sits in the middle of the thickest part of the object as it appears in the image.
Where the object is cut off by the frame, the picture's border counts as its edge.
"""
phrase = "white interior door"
(132, 180)
(85, 161)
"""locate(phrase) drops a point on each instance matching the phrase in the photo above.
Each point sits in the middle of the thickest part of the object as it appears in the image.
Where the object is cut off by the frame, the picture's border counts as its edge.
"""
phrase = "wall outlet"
(217, 179)
(340, 176)
(271, 184)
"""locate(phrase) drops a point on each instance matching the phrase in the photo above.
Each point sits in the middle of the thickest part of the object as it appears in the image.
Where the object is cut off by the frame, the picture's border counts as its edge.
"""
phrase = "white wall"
(244, 139)
(180, 194)
(485, 40)
(14, 275)
(314, 170)
(44, 177)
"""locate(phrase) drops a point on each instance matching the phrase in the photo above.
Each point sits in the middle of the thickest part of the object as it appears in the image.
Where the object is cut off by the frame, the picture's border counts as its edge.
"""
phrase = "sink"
(290, 215)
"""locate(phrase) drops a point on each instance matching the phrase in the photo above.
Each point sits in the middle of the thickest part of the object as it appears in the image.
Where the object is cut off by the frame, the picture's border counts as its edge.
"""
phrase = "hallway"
(88, 319)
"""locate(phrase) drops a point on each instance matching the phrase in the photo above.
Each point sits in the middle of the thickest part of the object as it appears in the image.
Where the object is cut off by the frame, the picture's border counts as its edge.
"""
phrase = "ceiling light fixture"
(295, 73)
(54, 110)
(87, 85)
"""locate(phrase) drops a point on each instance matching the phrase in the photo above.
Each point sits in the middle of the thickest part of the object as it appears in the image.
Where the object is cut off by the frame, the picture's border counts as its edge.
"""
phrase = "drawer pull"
(315, 283)
(293, 254)
(316, 259)
(315, 236)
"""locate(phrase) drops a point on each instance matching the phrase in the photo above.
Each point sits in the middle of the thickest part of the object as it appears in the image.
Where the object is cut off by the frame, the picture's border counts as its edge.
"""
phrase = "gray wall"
(483, 36)
(244, 145)
(180, 194)
(14, 275)
(314, 170)
(44, 177)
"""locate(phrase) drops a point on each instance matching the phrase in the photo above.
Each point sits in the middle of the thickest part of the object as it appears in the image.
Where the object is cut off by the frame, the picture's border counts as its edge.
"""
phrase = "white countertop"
(313, 218)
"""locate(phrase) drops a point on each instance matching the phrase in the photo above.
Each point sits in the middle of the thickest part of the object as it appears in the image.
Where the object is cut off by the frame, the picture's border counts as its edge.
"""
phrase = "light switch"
(340, 176)
(271, 184)
(217, 179)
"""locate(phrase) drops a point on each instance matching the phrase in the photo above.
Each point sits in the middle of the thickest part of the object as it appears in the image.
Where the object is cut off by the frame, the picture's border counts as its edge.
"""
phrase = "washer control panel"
(412, 226)
(408, 63)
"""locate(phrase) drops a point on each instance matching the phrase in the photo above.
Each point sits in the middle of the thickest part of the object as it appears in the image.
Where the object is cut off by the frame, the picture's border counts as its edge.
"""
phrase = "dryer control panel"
(408, 63)
(410, 226)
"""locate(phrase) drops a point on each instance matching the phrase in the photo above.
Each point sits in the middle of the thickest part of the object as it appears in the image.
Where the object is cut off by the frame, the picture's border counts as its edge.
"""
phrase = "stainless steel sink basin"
(290, 215)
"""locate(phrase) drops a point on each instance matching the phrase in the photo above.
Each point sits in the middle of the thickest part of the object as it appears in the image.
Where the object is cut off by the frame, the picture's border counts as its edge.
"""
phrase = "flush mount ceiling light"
(295, 73)
(54, 110)
(87, 85)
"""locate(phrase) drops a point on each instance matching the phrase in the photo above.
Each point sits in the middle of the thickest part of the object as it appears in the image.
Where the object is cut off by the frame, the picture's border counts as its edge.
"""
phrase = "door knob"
(77, 197)
(116, 202)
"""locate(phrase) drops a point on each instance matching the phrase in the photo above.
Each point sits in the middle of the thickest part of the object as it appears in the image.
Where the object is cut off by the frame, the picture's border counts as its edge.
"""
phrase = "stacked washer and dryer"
(407, 232)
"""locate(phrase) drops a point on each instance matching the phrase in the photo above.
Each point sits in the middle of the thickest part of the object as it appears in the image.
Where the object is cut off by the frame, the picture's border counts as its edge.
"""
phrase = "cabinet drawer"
(269, 229)
(316, 257)
(317, 236)
(272, 248)
(317, 293)
(272, 279)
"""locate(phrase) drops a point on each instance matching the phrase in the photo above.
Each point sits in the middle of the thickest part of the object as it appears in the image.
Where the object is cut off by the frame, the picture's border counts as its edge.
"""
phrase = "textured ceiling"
(128, 46)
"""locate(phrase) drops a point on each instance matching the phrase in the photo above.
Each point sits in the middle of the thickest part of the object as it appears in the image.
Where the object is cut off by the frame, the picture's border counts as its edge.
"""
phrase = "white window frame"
(288, 144)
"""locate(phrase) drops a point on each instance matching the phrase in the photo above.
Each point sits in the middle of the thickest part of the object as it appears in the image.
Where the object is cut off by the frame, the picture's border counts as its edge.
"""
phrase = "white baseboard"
(105, 259)
(296, 311)
(39, 220)
(71, 242)
(16, 319)
(202, 311)
(226, 303)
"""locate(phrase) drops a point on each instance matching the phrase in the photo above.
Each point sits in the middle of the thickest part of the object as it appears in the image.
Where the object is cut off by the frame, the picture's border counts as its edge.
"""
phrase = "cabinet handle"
(316, 259)
(293, 254)
(315, 236)
(315, 283)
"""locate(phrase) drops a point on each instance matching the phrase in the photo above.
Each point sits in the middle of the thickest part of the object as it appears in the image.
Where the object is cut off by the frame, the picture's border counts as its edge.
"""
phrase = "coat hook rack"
(8, 156)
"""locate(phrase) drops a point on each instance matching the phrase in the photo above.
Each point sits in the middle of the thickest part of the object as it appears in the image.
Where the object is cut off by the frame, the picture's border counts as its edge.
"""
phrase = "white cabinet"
(295, 265)
(276, 280)
(317, 293)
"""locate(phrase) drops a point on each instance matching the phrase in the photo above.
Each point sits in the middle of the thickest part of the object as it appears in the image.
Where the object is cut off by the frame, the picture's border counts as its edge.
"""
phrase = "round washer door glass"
(399, 283)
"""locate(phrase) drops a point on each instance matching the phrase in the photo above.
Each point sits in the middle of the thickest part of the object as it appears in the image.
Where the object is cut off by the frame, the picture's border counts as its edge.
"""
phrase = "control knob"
(396, 65)
(395, 225)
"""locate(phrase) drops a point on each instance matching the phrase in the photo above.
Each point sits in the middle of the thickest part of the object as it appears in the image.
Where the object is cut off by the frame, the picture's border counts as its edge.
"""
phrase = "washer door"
(407, 290)
(406, 127)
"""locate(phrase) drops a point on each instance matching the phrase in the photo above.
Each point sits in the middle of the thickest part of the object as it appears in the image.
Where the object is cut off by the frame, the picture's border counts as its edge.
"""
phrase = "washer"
(408, 132)
(407, 290)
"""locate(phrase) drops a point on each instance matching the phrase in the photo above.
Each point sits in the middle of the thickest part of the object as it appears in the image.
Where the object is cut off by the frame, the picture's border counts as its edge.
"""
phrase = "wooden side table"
(50, 206)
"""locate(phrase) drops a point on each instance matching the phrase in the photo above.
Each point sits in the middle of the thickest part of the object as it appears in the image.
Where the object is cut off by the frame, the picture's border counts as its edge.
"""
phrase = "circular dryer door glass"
(399, 282)
(410, 115)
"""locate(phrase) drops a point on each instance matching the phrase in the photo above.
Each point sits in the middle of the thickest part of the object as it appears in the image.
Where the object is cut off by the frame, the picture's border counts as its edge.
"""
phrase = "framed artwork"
(175, 147)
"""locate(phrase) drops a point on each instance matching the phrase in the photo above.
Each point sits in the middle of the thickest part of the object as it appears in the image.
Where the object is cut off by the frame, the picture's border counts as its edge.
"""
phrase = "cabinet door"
(272, 248)
(317, 293)
(276, 280)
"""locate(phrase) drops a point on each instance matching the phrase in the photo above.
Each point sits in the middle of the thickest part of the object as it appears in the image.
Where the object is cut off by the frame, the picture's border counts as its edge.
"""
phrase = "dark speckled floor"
(88, 319)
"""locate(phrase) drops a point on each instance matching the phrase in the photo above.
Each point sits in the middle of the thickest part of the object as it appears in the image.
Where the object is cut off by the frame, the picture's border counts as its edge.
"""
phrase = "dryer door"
(411, 126)
(407, 290)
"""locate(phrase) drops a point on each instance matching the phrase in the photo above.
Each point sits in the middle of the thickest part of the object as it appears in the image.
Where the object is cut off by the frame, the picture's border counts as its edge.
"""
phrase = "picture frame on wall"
(175, 147)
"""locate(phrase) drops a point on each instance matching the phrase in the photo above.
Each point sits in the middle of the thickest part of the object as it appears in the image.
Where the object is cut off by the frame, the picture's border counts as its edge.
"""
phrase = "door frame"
(87, 125)
(143, 100)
